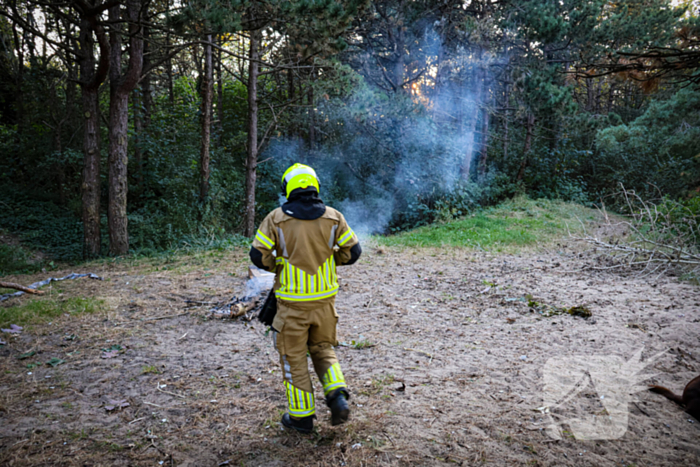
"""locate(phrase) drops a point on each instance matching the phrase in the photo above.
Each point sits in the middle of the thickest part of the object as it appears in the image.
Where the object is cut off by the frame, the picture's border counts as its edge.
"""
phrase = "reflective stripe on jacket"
(304, 253)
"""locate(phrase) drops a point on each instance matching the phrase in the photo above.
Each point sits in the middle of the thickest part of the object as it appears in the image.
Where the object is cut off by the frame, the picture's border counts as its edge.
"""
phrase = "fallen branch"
(12, 285)
(680, 258)
(663, 236)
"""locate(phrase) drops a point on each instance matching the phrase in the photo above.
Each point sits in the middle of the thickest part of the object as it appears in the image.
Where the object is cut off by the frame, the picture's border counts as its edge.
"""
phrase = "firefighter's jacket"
(304, 253)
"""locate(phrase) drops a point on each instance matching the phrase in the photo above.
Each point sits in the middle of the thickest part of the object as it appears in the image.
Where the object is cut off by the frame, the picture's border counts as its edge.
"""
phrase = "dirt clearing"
(445, 353)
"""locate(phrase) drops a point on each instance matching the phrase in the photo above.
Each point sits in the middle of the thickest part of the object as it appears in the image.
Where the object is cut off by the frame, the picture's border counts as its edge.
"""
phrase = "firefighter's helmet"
(299, 176)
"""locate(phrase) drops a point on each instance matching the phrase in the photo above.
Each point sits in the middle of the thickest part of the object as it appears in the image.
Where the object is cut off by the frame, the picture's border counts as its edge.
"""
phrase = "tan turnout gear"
(304, 255)
(304, 258)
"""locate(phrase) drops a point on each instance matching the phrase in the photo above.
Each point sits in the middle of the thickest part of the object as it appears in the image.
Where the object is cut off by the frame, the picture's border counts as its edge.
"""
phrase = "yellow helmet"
(299, 176)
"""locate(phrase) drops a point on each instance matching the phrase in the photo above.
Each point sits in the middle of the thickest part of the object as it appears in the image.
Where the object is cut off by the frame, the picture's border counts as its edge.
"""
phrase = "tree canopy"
(137, 125)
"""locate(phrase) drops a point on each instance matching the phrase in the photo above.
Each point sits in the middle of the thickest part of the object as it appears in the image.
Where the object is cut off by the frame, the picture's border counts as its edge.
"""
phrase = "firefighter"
(302, 242)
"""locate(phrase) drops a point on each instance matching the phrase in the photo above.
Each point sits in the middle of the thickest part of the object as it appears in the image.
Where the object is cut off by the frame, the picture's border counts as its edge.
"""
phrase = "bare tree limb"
(12, 285)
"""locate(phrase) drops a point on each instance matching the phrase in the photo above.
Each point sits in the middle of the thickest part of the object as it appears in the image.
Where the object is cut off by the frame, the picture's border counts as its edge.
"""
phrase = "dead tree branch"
(663, 235)
(12, 285)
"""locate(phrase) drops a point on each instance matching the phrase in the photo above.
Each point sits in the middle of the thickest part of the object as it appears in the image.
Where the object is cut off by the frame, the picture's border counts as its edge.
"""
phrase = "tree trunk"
(252, 160)
(611, 96)
(120, 88)
(60, 172)
(118, 162)
(528, 145)
(145, 110)
(399, 68)
(483, 151)
(137, 106)
(147, 102)
(19, 95)
(470, 128)
(90, 80)
(589, 94)
(505, 122)
(312, 117)
(207, 91)
(220, 95)
(91, 174)
(169, 68)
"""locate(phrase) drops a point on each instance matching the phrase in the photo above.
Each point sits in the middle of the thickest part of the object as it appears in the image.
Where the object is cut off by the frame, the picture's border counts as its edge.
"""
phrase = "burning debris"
(252, 301)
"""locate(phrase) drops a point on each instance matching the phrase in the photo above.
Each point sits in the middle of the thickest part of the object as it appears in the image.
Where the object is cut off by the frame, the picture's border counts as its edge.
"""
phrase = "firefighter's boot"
(337, 400)
(302, 425)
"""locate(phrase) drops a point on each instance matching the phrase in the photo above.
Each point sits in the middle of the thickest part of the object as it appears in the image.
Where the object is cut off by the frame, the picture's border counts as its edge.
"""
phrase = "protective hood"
(304, 204)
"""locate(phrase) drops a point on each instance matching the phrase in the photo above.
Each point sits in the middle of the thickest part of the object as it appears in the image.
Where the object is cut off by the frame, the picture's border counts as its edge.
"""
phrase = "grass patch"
(150, 370)
(521, 222)
(43, 309)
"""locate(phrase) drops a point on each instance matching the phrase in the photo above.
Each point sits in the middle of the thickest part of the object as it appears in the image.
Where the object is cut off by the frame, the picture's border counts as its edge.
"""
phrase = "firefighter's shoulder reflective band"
(264, 239)
(297, 285)
(345, 238)
(301, 403)
(333, 379)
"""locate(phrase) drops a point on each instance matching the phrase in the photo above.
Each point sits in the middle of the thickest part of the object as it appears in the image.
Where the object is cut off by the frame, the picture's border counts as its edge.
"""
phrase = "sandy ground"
(448, 366)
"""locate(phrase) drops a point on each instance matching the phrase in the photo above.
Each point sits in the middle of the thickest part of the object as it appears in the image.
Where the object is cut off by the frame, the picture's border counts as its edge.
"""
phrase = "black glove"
(269, 309)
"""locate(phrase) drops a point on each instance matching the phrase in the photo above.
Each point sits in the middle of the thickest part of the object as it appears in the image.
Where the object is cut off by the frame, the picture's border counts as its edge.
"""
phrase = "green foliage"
(379, 92)
(16, 260)
(41, 224)
(44, 309)
(682, 218)
(150, 370)
(657, 152)
(167, 213)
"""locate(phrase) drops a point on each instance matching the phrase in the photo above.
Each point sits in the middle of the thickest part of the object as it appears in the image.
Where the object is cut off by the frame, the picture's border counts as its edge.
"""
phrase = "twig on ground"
(165, 316)
(168, 392)
(420, 352)
(199, 303)
(152, 319)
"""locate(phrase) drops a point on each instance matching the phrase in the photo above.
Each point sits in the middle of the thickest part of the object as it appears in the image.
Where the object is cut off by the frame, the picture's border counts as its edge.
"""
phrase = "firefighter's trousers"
(309, 327)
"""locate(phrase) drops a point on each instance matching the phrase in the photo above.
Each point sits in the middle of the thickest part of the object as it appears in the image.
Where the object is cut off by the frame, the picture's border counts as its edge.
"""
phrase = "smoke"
(257, 284)
(386, 157)
(368, 216)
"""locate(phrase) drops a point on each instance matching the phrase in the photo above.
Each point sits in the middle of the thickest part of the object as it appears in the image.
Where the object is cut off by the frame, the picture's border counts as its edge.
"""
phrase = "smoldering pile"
(249, 304)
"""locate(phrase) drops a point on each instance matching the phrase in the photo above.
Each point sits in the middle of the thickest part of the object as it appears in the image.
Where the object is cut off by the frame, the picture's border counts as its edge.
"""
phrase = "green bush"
(40, 223)
(16, 260)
